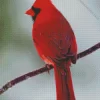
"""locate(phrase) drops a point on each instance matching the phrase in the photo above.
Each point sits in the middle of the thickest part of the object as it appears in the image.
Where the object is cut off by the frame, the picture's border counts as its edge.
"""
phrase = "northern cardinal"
(55, 42)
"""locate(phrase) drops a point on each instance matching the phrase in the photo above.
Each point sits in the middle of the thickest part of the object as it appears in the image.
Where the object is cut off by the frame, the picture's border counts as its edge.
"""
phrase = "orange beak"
(30, 12)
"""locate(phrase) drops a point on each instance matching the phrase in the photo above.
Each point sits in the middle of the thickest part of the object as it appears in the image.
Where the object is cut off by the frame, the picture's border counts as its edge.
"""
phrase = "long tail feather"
(64, 87)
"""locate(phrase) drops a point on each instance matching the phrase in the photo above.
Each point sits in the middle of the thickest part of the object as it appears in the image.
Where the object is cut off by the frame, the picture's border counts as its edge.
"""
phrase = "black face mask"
(36, 11)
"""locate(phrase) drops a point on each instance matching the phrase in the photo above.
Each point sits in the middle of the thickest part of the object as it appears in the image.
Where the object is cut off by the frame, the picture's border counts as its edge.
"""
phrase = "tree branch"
(43, 69)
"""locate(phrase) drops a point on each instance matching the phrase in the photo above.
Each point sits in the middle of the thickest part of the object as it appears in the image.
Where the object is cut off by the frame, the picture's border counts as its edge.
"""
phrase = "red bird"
(55, 42)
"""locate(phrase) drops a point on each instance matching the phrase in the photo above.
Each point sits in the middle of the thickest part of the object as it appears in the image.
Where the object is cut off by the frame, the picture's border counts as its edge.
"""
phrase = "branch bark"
(43, 69)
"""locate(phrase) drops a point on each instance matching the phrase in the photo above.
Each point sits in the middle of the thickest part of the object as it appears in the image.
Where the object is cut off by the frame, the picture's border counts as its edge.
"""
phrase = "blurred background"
(18, 55)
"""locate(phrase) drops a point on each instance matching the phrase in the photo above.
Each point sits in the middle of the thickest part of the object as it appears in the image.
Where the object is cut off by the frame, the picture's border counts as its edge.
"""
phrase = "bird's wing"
(55, 40)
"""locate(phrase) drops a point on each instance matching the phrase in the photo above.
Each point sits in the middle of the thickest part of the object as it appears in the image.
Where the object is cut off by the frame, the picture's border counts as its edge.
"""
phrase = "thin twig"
(44, 69)
(89, 9)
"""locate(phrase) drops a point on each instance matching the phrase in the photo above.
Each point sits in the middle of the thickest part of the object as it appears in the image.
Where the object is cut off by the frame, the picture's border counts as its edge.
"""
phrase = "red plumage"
(56, 44)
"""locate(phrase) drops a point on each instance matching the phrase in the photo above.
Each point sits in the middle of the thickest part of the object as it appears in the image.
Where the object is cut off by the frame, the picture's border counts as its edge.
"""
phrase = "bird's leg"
(48, 66)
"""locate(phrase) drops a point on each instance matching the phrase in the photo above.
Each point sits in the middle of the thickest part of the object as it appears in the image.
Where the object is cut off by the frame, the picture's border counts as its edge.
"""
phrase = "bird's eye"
(36, 10)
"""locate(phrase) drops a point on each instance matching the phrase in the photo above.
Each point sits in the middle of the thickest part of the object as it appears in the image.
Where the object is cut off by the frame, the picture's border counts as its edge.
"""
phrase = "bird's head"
(37, 7)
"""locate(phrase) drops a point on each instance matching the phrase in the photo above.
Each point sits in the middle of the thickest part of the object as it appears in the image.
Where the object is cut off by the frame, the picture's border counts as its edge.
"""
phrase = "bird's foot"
(48, 67)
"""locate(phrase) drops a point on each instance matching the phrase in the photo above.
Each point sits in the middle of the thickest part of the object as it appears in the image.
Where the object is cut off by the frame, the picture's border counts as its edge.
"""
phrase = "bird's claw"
(48, 66)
